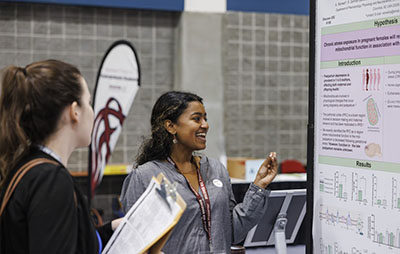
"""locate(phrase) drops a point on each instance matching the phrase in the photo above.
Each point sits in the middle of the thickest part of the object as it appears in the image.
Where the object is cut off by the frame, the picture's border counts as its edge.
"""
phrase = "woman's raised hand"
(267, 171)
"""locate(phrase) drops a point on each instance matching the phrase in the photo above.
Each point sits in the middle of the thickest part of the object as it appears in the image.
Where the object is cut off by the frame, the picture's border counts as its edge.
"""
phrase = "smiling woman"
(190, 129)
(212, 220)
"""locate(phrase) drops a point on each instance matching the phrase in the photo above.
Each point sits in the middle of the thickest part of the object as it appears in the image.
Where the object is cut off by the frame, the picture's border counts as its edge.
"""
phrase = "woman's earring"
(175, 141)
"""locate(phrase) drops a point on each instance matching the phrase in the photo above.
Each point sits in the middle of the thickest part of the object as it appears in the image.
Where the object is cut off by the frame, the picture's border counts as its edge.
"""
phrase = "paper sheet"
(148, 220)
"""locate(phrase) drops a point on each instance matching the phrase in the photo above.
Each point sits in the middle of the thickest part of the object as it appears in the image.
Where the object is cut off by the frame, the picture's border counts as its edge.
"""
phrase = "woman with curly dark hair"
(212, 220)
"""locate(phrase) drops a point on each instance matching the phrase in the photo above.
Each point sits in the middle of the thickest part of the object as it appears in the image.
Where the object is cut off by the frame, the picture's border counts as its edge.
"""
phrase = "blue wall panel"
(300, 7)
(169, 5)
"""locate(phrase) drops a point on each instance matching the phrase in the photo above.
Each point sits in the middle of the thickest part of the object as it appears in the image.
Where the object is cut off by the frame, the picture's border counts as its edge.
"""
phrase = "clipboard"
(150, 221)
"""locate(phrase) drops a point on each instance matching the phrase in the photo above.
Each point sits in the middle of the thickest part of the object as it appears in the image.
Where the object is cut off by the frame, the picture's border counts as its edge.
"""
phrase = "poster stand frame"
(310, 130)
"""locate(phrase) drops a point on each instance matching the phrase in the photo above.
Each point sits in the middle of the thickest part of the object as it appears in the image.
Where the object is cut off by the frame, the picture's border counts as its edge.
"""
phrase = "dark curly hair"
(169, 106)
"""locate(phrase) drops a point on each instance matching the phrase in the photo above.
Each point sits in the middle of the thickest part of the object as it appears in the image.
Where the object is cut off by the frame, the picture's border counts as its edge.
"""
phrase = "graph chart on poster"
(357, 108)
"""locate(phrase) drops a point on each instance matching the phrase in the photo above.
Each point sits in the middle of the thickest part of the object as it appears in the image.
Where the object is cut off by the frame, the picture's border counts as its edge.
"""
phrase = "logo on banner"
(102, 132)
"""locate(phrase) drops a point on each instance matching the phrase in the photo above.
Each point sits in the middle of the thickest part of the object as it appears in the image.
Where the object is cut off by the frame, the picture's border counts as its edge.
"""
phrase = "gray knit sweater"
(230, 221)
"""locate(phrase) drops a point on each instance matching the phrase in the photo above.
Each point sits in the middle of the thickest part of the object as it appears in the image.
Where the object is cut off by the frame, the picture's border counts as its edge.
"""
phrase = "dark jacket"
(42, 215)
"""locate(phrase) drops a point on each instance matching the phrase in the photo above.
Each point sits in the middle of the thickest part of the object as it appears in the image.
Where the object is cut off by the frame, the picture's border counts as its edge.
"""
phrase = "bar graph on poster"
(357, 127)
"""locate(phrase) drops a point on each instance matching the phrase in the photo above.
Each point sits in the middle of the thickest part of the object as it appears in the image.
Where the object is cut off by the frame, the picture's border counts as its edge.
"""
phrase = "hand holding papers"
(147, 224)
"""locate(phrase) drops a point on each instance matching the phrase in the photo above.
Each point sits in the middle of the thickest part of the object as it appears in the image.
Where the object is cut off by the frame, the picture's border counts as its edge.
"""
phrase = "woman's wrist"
(261, 184)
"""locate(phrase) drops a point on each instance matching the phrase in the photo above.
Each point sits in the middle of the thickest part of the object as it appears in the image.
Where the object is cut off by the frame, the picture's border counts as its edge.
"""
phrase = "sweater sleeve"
(132, 189)
(247, 214)
(105, 233)
(52, 214)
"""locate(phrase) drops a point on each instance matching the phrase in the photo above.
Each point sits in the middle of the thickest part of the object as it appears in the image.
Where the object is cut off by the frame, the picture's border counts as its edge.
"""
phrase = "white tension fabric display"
(118, 81)
(356, 195)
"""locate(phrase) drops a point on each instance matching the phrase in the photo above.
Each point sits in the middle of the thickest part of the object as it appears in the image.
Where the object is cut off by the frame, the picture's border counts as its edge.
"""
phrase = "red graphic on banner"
(103, 118)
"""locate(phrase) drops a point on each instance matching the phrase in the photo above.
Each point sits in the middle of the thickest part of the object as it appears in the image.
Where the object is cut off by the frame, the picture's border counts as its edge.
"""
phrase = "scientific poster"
(357, 127)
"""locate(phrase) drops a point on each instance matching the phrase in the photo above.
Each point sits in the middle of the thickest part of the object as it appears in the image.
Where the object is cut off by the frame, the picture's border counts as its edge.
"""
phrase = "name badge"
(218, 183)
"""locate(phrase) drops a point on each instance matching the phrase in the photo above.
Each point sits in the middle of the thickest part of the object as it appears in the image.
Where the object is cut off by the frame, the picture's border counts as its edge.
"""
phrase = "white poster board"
(356, 206)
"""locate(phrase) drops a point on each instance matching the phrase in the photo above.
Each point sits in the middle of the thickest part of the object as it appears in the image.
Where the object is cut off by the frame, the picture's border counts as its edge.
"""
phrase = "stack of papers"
(150, 220)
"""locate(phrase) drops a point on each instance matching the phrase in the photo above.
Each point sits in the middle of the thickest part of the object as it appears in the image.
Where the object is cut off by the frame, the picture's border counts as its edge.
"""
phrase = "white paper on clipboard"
(148, 223)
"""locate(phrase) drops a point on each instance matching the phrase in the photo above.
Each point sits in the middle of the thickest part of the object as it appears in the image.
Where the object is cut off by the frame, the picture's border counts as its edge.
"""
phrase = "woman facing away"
(212, 220)
(45, 112)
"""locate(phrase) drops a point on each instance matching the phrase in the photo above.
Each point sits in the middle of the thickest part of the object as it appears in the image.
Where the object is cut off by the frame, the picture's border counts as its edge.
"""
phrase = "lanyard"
(205, 206)
(50, 152)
